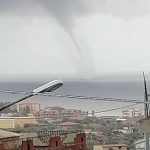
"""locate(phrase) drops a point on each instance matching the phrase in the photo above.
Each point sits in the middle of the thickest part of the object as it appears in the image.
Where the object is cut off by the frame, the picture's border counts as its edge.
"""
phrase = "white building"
(132, 112)
(140, 144)
(126, 130)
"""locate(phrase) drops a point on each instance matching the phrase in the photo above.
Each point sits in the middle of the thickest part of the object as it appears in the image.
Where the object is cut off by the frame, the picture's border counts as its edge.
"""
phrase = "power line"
(136, 102)
(113, 109)
(78, 97)
(108, 110)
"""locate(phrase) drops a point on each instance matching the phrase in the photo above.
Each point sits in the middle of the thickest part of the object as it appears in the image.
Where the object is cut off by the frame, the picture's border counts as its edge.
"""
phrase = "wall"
(55, 143)
(12, 122)
(34, 107)
(22, 121)
(9, 143)
(115, 148)
(7, 123)
(100, 147)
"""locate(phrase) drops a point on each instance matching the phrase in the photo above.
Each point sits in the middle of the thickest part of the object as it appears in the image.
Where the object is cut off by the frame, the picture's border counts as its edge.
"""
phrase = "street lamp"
(49, 87)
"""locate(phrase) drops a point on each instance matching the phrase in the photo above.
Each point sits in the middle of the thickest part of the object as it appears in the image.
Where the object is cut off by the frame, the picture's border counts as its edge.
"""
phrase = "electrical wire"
(113, 109)
(136, 102)
(77, 97)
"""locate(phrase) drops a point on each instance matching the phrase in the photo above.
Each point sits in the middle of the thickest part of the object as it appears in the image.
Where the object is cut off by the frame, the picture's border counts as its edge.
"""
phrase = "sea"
(128, 90)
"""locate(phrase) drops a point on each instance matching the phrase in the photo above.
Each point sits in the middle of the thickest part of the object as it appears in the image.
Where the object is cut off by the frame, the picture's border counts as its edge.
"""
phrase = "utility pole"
(146, 113)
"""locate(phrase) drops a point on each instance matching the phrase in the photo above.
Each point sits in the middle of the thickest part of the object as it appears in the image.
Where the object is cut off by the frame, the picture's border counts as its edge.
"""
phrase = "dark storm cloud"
(65, 12)
(66, 9)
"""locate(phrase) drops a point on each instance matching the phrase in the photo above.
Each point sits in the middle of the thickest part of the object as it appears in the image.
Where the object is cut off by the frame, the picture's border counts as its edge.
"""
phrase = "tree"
(93, 113)
(27, 125)
(26, 110)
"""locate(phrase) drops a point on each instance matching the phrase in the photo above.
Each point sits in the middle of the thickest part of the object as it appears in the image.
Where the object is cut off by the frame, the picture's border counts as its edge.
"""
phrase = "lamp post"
(146, 113)
(49, 87)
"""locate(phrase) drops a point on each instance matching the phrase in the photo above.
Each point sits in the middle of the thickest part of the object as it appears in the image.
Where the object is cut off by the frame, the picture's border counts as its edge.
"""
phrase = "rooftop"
(114, 145)
(69, 138)
(6, 134)
(34, 136)
(29, 103)
(68, 124)
(17, 117)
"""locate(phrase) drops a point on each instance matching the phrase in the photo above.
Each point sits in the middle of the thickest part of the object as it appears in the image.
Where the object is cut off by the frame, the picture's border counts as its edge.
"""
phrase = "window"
(56, 143)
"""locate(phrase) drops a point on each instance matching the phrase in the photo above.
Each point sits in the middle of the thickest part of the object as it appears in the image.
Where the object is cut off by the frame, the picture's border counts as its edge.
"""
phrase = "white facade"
(131, 112)
(126, 130)
(140, 144)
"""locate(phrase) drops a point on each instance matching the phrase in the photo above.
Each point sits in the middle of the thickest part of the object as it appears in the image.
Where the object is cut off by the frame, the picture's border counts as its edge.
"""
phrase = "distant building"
(107, 117)
(34, 107)
(59, 112)
(110, 147)
(132, 112)
(72, 113)
(12, 122)
(87, 131)
(54, 108)
(130, 121)
(126, 130)
(140, 144)
(52, 113)
(121, 119)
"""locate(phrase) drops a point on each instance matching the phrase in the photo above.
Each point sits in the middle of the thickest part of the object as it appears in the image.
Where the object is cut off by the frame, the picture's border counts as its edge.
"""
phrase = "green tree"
(27, 125)
(26, 110)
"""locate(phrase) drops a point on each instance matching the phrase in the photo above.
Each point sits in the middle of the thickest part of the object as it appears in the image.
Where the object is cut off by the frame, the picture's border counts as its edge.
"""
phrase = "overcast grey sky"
(73, 38)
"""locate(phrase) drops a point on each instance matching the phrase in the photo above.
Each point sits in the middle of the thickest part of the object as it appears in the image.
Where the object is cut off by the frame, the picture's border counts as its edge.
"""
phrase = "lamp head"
(49, 87)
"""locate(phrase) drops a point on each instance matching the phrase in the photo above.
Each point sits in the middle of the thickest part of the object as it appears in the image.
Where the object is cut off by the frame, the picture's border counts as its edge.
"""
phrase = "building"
(12, 122)
(126, 130)
(110, 147)
(75, 141)
(87, 131)
(71, 113)
(33, 107)
(132, 112)
(107, 118)
(31, 141)
(140, 144)
(68, 125)
(59, 112)
(52, 113)
(143, 125)
(8, 140)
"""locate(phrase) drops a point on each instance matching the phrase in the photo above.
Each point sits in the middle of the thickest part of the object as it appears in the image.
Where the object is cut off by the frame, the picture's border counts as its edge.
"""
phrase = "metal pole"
(19, 100)
(146, 135)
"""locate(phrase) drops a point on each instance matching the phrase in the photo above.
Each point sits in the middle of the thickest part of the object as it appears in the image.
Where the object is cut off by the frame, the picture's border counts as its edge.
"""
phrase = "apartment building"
(71, 113)
(34, 107)
(132, 112)
(58, 112)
